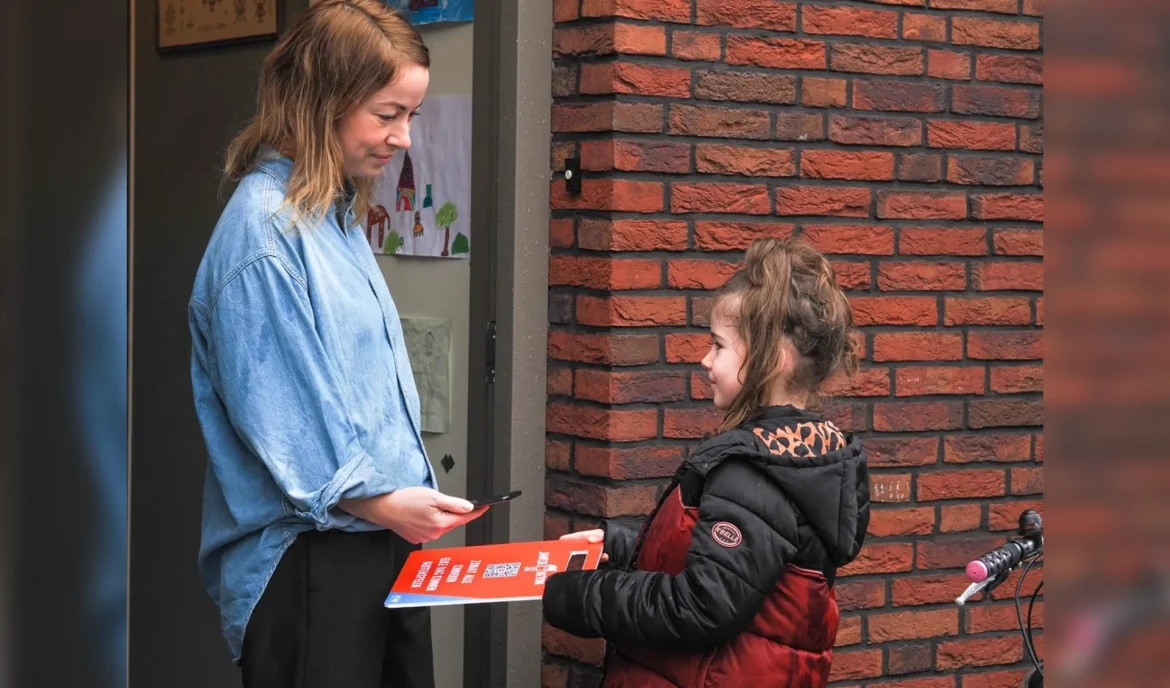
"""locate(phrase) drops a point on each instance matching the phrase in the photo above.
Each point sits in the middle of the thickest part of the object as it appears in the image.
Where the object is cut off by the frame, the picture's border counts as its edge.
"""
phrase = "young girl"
(318, 485)
(730, 582)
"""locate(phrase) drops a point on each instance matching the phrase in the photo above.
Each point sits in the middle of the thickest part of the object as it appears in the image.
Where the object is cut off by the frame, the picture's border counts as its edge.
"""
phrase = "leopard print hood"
(819, 467)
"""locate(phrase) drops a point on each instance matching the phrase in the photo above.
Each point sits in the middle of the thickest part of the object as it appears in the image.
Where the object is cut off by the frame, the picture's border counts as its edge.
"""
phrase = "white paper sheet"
(427, 210)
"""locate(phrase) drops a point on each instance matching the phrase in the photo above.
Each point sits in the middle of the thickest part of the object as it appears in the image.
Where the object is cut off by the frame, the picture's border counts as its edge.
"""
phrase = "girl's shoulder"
(715, 449)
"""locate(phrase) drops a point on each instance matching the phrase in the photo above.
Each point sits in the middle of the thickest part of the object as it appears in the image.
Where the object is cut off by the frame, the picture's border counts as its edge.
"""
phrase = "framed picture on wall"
(188, 23)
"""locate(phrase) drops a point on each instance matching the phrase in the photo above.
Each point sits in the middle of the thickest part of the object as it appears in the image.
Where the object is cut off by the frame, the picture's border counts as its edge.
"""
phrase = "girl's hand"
(418, 514)
(591, 536)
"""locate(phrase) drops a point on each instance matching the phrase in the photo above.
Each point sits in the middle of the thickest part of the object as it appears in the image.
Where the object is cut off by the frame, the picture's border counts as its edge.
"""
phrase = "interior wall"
(441, 288)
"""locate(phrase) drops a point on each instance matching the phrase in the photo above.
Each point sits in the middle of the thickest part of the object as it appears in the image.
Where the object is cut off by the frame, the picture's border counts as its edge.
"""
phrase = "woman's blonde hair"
(786, 291)
(339, 53)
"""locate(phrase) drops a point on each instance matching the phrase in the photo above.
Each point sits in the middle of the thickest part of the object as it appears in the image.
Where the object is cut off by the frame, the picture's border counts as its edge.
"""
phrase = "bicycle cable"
(1027, 631)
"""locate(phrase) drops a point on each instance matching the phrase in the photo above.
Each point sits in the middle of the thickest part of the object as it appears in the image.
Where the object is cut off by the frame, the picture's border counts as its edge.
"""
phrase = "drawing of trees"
(445, 218)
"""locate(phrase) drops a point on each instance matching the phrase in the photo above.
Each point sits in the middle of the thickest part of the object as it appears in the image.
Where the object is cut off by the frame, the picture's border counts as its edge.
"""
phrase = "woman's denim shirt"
(302, 387)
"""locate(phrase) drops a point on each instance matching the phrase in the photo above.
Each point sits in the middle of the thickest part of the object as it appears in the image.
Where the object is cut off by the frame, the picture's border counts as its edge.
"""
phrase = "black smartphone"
(498, 499)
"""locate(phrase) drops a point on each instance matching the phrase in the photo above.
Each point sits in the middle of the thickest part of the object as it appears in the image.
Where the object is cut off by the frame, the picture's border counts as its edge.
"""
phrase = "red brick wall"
(902, 138)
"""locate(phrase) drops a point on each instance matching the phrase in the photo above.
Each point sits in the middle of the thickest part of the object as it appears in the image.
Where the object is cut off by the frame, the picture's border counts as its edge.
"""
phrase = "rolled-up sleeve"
(282, 395)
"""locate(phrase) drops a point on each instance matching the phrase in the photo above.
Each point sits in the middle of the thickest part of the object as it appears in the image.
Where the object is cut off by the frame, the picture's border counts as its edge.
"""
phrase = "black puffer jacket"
(787, 489)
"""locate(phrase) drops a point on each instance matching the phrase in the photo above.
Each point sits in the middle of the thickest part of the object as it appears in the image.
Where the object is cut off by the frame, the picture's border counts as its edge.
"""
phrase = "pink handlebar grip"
(976, 572)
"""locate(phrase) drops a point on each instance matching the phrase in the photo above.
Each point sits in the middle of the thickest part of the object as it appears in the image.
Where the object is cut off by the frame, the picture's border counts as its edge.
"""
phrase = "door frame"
(507, 394)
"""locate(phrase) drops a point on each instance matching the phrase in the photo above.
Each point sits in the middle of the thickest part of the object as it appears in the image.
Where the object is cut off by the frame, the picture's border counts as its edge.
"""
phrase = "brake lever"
(973, 589)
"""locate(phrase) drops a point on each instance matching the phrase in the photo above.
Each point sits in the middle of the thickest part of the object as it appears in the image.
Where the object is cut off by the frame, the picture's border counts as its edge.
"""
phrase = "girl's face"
(724, 361)
(380, 125)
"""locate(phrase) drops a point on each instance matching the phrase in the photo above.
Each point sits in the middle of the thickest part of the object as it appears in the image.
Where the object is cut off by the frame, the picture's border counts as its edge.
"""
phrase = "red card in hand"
(487, 573)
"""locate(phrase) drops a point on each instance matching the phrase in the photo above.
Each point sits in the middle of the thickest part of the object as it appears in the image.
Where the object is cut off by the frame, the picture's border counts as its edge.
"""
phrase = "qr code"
(502, 570)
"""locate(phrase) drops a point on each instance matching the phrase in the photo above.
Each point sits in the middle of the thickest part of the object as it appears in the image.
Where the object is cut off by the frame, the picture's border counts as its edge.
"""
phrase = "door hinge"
(491, 352)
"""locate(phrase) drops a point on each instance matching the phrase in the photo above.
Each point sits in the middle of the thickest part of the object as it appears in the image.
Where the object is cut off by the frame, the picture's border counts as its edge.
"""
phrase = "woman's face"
(380, 125)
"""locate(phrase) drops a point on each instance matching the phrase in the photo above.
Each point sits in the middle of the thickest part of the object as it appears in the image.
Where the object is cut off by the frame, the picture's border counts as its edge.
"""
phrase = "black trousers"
(321, 623)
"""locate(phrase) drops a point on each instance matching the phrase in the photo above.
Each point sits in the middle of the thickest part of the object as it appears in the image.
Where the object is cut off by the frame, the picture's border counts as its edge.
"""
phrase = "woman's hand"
(418, 514)
(591, 536)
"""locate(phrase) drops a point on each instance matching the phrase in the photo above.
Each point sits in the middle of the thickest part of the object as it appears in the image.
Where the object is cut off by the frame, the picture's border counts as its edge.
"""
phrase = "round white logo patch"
(726, 534)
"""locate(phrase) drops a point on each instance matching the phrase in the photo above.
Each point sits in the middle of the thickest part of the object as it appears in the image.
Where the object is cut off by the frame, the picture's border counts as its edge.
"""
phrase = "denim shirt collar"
(280, 167)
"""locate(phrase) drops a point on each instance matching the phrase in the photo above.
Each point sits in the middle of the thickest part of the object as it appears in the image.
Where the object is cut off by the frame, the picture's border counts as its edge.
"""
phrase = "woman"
(317, 485)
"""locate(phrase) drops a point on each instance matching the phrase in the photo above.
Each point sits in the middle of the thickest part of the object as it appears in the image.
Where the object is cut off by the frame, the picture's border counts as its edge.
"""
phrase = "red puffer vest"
(788, 643)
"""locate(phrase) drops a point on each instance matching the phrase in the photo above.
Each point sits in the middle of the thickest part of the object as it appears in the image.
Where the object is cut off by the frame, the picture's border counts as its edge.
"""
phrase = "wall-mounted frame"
(193, 23)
